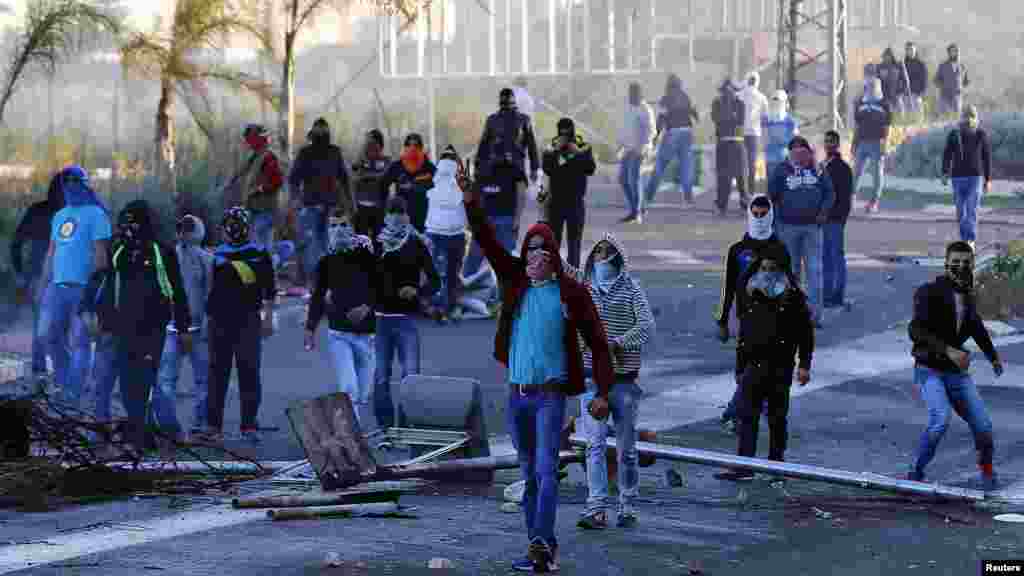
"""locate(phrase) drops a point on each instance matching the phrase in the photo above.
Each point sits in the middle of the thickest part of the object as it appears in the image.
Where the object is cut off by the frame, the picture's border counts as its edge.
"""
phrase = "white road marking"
(949, 209)
(675, 256)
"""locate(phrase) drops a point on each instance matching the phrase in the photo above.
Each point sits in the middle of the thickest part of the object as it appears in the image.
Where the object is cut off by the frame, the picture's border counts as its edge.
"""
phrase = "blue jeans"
(39, 344)
(806, 241)
(941, 392)
(262, 234)
(629, 178)
(68, 338)
(504, 229)
(834, 264)
(732, 410)
(313, 222)
(104, 373)
(165, 394)
(449, 252)
(535, 423)
(677, 144)
(623, 399)
(395, 334)
(354, 362)
(967, 195)
(870, 150)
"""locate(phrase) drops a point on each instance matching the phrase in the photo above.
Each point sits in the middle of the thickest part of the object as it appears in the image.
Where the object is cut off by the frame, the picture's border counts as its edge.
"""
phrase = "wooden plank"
(327, 430)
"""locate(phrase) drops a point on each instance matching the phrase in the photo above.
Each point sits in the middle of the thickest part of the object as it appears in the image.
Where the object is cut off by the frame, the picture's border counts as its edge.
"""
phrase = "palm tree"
(173, 56)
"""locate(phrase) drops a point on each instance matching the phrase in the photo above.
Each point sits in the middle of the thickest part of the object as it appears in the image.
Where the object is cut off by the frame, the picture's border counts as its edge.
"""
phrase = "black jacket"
(677, 111)
(351, 279)
(320, 171)
(773, 332)
(33, 229)
(933, 327)
(412, 186)
(569, 172)
(243, 279)
(508, 139)
(842, 185)
(367, 176)
(873, 121)
(739, 258)
(967, 153)
(727, 112)
(401, 268)
(917, 73)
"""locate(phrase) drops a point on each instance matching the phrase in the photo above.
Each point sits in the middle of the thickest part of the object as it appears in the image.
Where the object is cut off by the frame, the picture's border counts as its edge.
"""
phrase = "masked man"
(413, 175)
(968, 159)
(728, 113)
(542, 311)
(759, 242)
(778, 128)
(261, 179)
(348, 273)
(568, 164)
(755, 105)
(774, 328)
(628, 323)
(675, 120)
(945, 316)
(240, 309)
(143, 293)
(370, 197)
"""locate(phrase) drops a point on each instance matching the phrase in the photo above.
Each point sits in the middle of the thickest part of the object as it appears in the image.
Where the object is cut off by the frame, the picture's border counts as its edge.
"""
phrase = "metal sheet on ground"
(327, 430)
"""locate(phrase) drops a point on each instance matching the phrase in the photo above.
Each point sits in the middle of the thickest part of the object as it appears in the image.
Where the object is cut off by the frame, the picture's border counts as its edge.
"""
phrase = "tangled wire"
(72, 457)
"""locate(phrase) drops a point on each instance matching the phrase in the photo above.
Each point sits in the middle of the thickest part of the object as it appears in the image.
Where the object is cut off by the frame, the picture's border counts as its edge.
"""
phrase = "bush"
(1001, 286)
(920, 156)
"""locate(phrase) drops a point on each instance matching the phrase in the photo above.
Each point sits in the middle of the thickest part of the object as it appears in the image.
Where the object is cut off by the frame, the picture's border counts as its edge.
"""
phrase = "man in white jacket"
(756, 105)
(635, 138)
(446, 229)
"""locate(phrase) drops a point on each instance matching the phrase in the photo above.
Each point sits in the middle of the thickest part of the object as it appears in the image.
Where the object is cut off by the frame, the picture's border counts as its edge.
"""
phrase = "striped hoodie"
(624, 310)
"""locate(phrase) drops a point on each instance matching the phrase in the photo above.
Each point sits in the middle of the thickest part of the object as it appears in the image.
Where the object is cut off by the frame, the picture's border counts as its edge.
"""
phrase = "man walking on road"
(542, 311)
(626, 316)
(945, 316)
(803, 196)
(873, 118)
(968, 159)
(755, 106)
(568, 164)
(951, 79)
(635, 138)
(917, 75)
(676, 116)
(775, 327)
(759, 242)
(727, 112)
(834, 261)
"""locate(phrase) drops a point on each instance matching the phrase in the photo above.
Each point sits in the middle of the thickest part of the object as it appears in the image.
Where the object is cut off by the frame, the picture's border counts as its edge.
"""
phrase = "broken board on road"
(330, 436)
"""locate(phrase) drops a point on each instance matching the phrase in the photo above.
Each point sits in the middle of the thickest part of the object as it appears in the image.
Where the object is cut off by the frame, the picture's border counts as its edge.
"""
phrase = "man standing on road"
(945, 316)
(968, 159)
(803, 196)
(895, 84)
(951, 79)
(542, 311)
(728, 112)
(917, 76)
(774, 328)
(755, 106)
(759, 242)
(413, 175)
(319, 182)
(261, 180)
(635, 140)
(676, 116)
(834, 261)
(779, 128)
(370, 196)
(873, 118)
(403, 257)
(446, 229)
(34, 229)
(626, 316)
(568, 163)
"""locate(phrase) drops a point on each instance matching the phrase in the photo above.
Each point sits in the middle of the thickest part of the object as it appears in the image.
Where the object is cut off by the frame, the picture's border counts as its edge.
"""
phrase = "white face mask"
(770, 284)
(760, 228)
(777, 109)
(605, 270)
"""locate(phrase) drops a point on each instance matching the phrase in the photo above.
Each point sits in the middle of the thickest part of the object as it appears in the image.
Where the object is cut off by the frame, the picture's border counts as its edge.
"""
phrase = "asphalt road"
(865, 423)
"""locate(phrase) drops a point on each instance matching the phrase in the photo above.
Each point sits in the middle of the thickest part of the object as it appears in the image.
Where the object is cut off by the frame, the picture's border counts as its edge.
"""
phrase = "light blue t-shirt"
(537, 353)
(74, 232)
(777, 134)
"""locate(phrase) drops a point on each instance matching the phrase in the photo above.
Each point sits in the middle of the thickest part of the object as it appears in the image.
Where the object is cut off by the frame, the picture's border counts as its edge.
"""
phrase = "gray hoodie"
(196, 271)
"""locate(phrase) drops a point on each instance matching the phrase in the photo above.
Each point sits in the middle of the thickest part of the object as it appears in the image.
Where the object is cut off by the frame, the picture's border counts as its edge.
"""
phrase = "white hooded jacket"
(445, 214)
(756, 104)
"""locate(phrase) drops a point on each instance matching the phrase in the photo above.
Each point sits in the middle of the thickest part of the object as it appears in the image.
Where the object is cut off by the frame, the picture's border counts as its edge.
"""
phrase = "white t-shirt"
(755, 104)
(524, 102)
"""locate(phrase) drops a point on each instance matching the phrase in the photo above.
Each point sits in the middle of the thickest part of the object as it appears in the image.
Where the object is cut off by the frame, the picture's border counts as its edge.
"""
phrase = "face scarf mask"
(962, 277)
(605, 273)
(771, 284)
(395, 232)
(760, 228)
(413, 158)
(340, 237)
(537, 268)
(777, 110)
(130, 233)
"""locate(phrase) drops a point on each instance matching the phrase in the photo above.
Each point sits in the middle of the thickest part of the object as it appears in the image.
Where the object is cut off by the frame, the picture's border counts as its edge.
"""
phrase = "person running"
(945, 317)
(870, 142)
(676, 117)
(626, 316)
(413, 175)
(240, 312)
(967, 158)
(348, 273)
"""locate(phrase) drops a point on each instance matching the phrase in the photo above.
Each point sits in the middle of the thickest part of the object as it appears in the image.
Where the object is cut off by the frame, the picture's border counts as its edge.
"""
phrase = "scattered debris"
(1016, 518)
(511, 508)
(821, 513)
(674, 479)
(357, 496)
(374, 509)
(742, 497)
(514, 491)
(332, 560)
(440, 563)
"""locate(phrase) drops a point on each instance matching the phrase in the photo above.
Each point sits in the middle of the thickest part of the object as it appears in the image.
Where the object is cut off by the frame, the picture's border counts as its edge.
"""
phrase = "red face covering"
(255, 142)
(802, 157)
(413, 158)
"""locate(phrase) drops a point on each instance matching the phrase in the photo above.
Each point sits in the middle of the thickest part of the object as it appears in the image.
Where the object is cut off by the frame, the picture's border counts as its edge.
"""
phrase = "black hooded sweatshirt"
(322, 174)
(774, 331)
(569, 171)
(143, 289)
(34, 228)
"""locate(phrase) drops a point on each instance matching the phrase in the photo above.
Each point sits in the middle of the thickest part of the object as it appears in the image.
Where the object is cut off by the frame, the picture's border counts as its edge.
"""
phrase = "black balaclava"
(566, 128)
(320, 134)
(635, 94)
(135, 228)
(507, 99)
(954, 52)
(961, 276)
(55, 195)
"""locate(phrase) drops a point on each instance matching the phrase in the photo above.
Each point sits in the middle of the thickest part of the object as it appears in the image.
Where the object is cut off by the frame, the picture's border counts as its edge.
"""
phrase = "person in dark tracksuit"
(370, 197)
(728, 112)
(775, 326)
(759, 242)
(243, 292)
(413, 175)
(140, 295)
(834, 242)
(568, 164)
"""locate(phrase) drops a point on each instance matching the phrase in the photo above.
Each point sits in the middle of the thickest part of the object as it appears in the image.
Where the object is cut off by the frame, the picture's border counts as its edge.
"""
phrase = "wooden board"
(327, 430)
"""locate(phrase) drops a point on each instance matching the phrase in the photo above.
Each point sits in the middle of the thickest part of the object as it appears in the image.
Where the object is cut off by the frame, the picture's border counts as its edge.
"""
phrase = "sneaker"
(736, 475)
(871, 207)
(542, 556)
(627, 219)
(626, 520)
(593, 521)
(523, 564)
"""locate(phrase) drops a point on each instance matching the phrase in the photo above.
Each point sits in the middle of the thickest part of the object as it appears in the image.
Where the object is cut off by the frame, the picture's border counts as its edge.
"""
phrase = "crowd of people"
(373, 259)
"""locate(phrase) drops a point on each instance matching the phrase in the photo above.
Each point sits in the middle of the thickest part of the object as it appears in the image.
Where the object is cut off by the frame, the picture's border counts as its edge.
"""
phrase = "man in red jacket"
(542, 311)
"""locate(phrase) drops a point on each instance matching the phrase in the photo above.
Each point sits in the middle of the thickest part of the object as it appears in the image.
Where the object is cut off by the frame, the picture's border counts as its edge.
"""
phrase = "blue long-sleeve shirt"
(801, 196)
